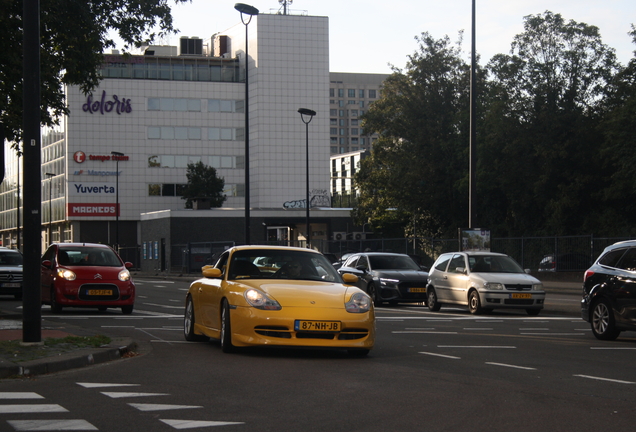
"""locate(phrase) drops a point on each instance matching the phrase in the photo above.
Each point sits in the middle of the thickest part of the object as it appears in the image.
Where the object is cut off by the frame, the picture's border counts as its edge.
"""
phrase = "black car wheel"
(127, 310)
(431, 300)
(603, 325)
(188, 323)
(226, 329)
(474, 304)
(374, 294)
(55, 307)
(533, 312)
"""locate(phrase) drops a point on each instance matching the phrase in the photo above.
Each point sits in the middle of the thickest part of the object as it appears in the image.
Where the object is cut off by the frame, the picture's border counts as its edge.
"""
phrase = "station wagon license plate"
(520, 296)
(10, 285)
(326, 326)
(417, 290)
(100, 292)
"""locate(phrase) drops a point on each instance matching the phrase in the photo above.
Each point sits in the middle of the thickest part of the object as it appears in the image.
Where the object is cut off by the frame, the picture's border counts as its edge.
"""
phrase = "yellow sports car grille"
(285, 333)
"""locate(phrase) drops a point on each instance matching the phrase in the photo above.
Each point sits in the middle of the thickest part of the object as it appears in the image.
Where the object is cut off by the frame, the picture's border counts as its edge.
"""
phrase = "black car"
(609, 291)
(387, 277)
(11, 272)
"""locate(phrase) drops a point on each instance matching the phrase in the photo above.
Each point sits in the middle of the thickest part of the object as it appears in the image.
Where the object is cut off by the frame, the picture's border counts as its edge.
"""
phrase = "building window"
(354, 113)
(174, 104)
(342, 131)
(332, 92)
(341, 93)
(354, 131)
(372, 94)
(333, 122)
(343, 122)
(333, 112)
(333, 131)
(354, 122)
(354, 141)
(351, 93)
(351, 102)
(361, 104)
(341, 113)
(361, 93)
(334, 140)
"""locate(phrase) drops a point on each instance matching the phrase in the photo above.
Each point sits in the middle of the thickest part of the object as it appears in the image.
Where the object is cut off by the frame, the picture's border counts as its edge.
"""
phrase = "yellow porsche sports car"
(278, 296)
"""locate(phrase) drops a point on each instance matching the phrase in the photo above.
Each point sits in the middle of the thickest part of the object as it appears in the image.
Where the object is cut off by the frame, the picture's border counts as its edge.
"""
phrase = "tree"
(73, 36)
(542, 126)
(416, 175)
(203, 183)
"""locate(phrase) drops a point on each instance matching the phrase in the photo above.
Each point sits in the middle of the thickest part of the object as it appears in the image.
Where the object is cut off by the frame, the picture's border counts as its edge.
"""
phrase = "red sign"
(79, 156)
(92, 209)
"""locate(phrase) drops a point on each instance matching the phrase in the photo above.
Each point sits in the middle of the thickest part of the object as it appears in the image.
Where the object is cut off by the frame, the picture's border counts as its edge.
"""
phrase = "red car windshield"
(88, 256)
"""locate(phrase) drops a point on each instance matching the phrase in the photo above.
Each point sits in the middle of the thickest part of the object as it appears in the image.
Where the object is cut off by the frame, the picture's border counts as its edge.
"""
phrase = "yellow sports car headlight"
(358, 303)
(260, 300)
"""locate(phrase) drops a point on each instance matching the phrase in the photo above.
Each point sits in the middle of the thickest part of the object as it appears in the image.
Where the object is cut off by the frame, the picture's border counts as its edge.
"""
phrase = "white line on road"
(164, 306)
(117, 395)
(153, 281)
(20, 395)
(440, 355)
(50, 425)
(477, 346)
(612, 348)
(605, 379)
(553, 334)
(100, 385)
(191, 424)
(422, 332)
(160, 407)
(510, 366)
(478, 328)
(38, 408)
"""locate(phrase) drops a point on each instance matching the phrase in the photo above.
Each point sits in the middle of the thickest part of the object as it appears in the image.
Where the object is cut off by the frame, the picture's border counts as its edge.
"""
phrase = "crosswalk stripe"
(116, 395)
(34, 408)
(51, 425)
(191, 424)
(20, 395)
(160, 407)
(97, 385)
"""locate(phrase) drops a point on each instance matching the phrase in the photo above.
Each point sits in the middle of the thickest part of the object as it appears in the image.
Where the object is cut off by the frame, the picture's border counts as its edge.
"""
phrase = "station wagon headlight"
(260, 300)
(358, 303)
(494, 286)
(124, 275)
(537, 287)
(66, 274)
(388, 282)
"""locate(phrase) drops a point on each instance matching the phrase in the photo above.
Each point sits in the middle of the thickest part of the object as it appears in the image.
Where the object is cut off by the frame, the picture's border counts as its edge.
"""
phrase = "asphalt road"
(444, 371)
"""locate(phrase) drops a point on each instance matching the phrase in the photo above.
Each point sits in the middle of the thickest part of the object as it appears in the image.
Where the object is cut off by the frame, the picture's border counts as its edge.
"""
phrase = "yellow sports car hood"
(298, 293)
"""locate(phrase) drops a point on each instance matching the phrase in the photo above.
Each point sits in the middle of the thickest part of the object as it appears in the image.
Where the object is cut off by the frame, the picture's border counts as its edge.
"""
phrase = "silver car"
(483, 281)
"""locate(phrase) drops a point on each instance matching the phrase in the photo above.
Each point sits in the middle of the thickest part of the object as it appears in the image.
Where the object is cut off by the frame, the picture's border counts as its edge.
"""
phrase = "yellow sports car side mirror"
(349, 278)
(211, 272)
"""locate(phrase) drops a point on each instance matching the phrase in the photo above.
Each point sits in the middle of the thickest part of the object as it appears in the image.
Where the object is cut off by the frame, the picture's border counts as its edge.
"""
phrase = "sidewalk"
(11, 330)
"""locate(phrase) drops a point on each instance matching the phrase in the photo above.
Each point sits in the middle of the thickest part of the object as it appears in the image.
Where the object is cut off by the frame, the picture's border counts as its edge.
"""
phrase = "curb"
(117, 349)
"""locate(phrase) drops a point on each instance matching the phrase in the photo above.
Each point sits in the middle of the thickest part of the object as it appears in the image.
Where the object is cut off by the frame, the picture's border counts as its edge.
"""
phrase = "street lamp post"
(50, 176)
(249, 11)
(117, 155)
(306, 115)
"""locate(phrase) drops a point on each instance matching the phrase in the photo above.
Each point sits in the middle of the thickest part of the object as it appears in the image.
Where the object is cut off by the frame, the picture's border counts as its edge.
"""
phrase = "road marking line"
(612, 348)
(510, 366)
(417, 328)
(117, 395)
(164, 306)
(553, 334)
(20, 395)
(439, 355)
(476, 346)
(605, 379)
(98, 385)
(533, 329)
(160, 407)
(50, 425)
(38, 408)
(170, 342)
(191, 424)
(154, 281)
(422, 332)
(477, 328)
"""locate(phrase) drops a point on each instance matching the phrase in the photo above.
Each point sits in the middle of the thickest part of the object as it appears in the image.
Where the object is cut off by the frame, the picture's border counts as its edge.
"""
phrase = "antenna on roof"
(284, 4)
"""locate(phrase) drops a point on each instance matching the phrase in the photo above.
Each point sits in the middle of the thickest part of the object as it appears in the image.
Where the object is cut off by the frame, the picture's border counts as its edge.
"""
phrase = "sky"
(370, 35)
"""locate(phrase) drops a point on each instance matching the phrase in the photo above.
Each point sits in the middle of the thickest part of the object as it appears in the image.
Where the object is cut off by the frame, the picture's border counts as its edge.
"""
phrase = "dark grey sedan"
(388, 277)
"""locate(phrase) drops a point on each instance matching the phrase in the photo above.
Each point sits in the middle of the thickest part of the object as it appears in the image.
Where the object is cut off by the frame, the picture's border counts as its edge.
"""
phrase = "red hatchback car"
(86, 275)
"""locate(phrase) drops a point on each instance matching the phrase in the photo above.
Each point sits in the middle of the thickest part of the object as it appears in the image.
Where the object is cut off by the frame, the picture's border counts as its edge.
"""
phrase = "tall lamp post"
(247, 11)
(306, 115)
(50, 176)
(472, 200)
(117, 155)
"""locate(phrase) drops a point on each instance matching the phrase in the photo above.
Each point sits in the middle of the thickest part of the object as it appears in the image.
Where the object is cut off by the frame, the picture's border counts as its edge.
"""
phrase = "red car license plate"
(100, 292)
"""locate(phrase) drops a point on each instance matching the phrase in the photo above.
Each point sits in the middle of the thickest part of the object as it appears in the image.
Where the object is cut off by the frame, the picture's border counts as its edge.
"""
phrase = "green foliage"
(73, 35)
(203, 183)
(14, 351)
(555, 140)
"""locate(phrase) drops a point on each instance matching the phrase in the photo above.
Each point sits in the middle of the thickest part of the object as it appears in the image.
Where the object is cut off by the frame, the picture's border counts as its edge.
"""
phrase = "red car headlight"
(124, 275)
(66, 274)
